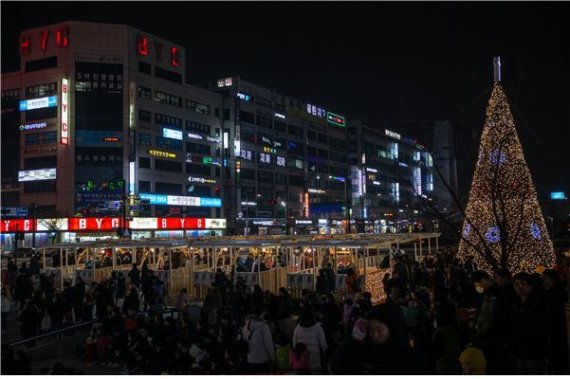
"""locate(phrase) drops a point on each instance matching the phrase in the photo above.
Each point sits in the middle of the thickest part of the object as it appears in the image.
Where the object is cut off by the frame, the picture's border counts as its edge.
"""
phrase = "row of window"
(89, 81)
(41, 90)
(169, 99)
(40, 138)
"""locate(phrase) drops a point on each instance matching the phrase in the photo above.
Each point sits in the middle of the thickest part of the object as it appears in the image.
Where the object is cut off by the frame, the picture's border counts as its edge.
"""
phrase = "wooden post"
(169, 270)
(314, 271)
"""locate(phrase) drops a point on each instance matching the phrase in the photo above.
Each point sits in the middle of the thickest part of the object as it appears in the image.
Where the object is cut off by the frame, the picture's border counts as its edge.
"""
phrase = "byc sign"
(60, 36)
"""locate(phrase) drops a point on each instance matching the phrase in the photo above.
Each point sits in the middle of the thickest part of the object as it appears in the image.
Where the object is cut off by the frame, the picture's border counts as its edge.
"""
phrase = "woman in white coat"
(310, 332)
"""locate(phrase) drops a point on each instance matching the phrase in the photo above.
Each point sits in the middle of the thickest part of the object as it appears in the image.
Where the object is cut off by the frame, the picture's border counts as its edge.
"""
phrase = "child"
(282, 354)
(299, 359)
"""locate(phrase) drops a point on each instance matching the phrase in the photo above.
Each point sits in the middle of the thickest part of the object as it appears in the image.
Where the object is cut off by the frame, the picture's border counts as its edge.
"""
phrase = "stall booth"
(64, 262)
(343, 254)
(207, 256)
(256, 261)
(167, 259)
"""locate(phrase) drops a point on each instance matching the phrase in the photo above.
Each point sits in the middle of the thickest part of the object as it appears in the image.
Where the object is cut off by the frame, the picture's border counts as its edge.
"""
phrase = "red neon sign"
(12, 226)
(142, 45)
(62, 37)
(45, 35)
(25, 44)
(177, 223)
(94, 223)
(174, 57)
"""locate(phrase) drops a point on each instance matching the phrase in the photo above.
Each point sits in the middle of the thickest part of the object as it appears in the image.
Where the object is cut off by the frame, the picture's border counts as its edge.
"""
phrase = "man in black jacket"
(529, 339)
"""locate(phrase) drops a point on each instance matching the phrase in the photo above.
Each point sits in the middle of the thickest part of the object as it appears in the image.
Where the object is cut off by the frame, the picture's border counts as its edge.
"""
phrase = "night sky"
(393, 64)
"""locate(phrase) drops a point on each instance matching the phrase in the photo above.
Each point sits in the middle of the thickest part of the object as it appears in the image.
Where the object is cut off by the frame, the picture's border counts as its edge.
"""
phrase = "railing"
(54, 333)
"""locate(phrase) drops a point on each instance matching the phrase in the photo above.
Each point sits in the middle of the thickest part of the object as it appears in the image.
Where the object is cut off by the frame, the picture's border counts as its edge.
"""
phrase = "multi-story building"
(100, 111)
(389, 172)
(287, 166)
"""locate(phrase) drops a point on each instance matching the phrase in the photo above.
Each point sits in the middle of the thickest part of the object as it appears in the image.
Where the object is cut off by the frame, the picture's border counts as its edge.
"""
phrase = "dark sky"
(391, 63)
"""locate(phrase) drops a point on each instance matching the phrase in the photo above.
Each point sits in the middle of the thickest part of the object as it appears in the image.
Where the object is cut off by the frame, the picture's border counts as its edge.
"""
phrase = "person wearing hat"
(379, 344)
(473, 361)
(556, 298)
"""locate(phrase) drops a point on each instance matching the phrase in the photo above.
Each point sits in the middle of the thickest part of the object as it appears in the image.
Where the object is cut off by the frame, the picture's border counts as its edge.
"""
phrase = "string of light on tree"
(503, 214)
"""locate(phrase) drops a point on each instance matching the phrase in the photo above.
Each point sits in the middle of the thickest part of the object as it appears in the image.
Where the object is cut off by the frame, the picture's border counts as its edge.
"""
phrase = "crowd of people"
(440, 316)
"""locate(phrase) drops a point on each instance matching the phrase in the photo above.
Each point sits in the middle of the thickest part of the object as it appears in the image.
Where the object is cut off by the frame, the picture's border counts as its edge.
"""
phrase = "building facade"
(389, 174)
(99, 122)
(105, 125)
(287, 170)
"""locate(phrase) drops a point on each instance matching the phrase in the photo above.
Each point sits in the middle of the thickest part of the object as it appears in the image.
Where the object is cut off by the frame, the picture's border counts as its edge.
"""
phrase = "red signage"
(142, 45)
(61, 40)
(13, 226)
(94, 223)
(142, 49)
(177, 223)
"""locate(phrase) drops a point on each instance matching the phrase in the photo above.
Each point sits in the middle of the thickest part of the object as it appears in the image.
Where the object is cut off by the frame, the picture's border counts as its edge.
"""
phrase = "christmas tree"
(504, 226)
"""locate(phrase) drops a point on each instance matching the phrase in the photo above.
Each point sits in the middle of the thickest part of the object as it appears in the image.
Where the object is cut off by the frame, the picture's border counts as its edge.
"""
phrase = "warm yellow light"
(504, 227)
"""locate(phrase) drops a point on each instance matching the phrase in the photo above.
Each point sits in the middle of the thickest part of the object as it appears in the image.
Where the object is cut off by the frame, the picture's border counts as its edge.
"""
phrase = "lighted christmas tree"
(504, 226)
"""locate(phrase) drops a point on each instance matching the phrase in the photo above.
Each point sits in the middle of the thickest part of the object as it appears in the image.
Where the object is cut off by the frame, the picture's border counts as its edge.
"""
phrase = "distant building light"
(279, 115)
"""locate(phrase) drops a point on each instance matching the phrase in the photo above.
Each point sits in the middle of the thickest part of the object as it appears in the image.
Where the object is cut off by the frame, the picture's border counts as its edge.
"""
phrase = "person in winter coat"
(378, 344)
(260, 346)
(556, 298)
(311, 333)
(492, 325)
(530, 333)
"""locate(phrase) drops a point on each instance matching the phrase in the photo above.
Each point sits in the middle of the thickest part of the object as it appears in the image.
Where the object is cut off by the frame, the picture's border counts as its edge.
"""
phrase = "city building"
(99, 121)
(287, 169)
(389, 173)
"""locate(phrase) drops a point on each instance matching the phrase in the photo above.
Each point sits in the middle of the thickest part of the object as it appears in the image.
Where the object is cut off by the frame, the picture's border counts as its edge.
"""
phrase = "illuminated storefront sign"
(186, 201)
(316, 111)
(215, 223)
(193, 179)
(211, 161)
(132, 170)
(42, 102)
(337, 178)
(279, 115)
(38, 125)
(264, 158)
(52, 224)
(111, 139)
(142, 45)
(195, 136)
(162, 153)
(392, 134)
(557, 196)
(64, 112)
(60, 34)
(94, 224)
(243, 96)
(316, 190)
(213, 139)
(269, 150)
(336, 119)
(281, 161)
(369, 169)
(34, 175)
(11, 226)
(303, 222)
(171, 133)
(227, 82)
